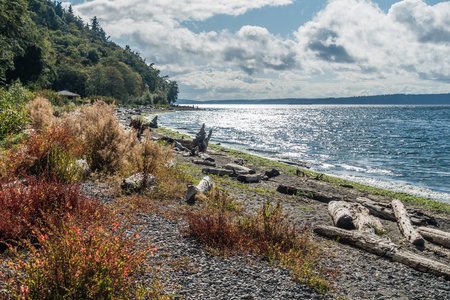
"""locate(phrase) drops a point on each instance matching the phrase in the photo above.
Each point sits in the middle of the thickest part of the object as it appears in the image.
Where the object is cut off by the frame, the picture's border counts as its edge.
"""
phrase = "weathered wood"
(204, 162)
(250, 178)
(204, 186)
(154, 122)
(380, 210)
(436, 236)
(272, 173)
(364, 221)
(404, 223)
(238, 169)
(383, 247)
(384, 211)
(341, 214)
(137, 181)
(201, 140)
(215, 171)
(290, 190)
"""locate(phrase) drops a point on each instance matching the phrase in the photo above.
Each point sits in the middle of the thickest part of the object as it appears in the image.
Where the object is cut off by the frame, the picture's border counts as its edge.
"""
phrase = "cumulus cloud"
(351, 47)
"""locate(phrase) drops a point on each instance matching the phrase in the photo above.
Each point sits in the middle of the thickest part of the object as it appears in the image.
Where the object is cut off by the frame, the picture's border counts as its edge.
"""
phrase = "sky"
(266, 49)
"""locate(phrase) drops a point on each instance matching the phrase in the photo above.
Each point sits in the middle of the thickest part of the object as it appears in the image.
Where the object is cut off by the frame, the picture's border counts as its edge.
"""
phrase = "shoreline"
(425, 202)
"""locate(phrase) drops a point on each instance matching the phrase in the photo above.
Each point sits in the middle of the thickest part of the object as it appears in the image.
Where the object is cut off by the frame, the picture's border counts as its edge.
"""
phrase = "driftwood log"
(290, 190)
(364, 221)
(201, 140)
(436, 236)
(205, 185)
(382, 247)
(238, 169)
(341, 214)
(204, 162)
(384, 211)
(404, 223)
(249, 178)
(216, 171)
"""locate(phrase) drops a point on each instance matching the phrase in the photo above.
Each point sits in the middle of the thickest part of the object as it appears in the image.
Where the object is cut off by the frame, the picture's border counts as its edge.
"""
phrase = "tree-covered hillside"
(46, 46)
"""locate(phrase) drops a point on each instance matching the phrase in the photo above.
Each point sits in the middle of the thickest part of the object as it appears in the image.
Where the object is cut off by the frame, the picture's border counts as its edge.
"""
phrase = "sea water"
(400, 148)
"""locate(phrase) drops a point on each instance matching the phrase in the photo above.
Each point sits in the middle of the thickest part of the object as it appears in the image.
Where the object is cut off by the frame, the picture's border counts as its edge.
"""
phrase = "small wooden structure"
(69, 95)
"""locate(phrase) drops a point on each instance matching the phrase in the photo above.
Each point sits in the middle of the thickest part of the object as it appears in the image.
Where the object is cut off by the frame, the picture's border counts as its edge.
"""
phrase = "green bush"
(13, 115)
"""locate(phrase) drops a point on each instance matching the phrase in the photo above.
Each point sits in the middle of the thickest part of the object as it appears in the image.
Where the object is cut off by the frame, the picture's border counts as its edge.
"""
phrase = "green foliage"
(13, 115)
(45, 46)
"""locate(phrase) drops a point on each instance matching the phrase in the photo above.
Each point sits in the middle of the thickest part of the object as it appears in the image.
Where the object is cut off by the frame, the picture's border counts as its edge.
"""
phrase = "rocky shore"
(196, 274)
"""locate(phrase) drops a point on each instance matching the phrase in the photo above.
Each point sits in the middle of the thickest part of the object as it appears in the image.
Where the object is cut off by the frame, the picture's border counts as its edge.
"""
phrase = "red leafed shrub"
(34, 203)
(51, 153)
(80, 261)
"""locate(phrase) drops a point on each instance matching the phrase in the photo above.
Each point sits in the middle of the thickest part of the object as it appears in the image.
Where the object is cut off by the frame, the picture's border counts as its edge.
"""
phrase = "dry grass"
(40, 113)
(110, 147)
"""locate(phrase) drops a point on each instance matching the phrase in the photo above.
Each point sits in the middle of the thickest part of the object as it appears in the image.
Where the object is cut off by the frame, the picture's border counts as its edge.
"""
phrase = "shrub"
(40, 113)
(32, 202)
(268, 234)
(82, 262)
(50, 153)
(13, 115)
(109, 146)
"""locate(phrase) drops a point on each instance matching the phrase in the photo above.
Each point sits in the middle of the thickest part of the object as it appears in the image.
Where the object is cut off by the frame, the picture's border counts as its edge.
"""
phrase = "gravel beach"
(361, 275)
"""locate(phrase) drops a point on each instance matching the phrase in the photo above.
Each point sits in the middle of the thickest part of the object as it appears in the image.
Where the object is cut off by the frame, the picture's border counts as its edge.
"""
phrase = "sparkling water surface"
(400, 148)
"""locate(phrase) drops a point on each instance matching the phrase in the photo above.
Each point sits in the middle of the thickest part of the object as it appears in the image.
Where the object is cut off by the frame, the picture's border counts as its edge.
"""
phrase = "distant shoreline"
(401, 99)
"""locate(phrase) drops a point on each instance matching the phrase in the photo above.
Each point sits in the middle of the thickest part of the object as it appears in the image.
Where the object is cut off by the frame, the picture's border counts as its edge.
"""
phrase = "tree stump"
(201, 140)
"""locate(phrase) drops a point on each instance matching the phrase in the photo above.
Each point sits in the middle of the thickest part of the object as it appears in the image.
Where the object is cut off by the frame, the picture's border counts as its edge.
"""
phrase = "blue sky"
(234, 49)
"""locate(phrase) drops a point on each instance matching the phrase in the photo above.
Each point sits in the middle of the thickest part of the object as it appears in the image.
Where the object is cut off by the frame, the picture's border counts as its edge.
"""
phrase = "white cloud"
(351, 47)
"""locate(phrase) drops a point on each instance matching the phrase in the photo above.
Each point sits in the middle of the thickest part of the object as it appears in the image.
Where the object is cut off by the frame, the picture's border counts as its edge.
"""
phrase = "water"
(400, 148)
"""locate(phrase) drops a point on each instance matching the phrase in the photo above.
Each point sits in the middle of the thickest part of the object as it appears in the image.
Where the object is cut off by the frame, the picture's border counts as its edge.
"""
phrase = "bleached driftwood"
(238, 169)
(205, 185)
(364, 221)
(341, 214)
(436, 236)
(204, 162)
(377, 245)
(384, 211)
(404, 223)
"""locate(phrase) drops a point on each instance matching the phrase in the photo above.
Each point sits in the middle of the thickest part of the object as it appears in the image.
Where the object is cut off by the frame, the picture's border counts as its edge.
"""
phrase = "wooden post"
(404, 223)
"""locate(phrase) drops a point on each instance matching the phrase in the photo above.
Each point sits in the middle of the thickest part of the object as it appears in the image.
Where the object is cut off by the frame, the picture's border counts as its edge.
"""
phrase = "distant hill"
(398, 99)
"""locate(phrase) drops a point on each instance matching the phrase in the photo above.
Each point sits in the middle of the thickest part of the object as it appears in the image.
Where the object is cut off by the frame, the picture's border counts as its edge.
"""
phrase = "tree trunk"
(341, 215)
(205, 185)
(382, 247)
(436, 236)
(404, 223)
